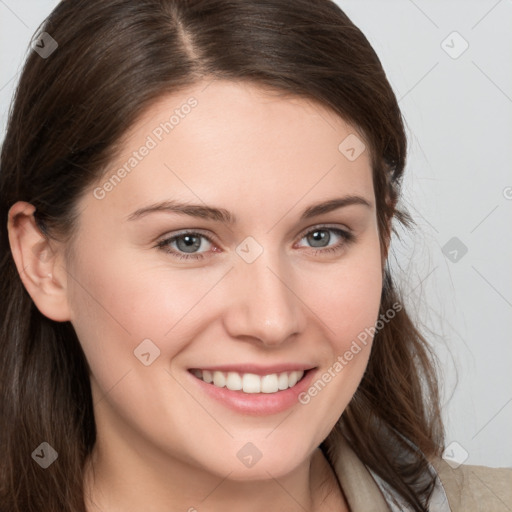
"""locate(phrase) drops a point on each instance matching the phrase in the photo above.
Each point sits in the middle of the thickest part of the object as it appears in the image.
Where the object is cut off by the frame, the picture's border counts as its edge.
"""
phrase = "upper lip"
(256, 369)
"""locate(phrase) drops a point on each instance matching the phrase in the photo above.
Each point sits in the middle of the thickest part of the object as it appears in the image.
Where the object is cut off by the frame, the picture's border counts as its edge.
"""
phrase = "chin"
(262, 460)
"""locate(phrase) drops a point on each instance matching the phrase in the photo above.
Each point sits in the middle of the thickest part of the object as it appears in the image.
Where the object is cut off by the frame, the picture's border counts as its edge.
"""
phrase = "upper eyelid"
(187, 232)
(212, 239)
(324, 226)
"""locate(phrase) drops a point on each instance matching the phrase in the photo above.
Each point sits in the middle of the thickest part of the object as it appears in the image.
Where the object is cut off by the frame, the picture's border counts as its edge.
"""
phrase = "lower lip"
(258, 404)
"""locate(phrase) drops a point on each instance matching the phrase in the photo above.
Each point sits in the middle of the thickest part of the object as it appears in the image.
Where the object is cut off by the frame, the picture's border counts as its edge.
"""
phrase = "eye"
(320, 237)
(186, 244)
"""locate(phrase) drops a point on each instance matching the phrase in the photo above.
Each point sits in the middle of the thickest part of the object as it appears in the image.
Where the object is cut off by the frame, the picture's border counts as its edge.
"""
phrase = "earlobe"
(39, 264)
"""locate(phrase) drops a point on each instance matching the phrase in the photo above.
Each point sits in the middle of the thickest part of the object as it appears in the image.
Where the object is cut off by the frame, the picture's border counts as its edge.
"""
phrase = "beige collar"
(362, 492)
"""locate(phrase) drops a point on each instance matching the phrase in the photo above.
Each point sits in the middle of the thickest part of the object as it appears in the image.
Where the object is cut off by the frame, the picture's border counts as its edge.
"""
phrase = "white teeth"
(234, 381)
(269, 384)
(219, 379)
(282, 381)
(250, 382)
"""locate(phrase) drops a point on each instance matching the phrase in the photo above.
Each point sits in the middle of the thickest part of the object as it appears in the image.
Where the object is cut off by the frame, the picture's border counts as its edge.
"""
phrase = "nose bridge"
(264, 305)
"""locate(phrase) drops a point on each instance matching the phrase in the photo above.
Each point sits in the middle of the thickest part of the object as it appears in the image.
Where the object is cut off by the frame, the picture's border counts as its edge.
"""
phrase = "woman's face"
(269, 284)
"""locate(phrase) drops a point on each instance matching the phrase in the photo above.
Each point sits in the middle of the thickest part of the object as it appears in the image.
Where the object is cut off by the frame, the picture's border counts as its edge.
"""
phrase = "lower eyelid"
(164, 244)
(345, 235)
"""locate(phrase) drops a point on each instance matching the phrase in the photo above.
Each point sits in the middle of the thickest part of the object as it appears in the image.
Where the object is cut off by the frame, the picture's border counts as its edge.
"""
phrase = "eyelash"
(347, 238)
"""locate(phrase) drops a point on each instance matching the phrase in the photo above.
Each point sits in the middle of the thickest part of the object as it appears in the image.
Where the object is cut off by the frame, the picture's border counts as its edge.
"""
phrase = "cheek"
(349, 315)
(118, 302)
(347, 295)
(358, 310)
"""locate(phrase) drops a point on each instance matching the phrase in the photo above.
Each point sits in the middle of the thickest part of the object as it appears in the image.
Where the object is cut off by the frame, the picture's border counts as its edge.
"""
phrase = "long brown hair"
(114, 59)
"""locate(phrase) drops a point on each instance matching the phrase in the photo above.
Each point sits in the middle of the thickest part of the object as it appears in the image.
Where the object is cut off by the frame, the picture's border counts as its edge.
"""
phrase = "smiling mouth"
(250, 382)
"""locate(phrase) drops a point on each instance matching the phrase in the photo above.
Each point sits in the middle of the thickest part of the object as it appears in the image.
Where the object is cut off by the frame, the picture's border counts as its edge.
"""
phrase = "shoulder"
(475, 488)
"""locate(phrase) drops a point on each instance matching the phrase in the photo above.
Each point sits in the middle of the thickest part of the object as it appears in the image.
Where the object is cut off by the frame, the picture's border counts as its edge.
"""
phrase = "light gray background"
(458, 184)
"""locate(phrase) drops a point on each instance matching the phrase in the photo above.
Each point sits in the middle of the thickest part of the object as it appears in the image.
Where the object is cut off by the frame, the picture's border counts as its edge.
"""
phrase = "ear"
(39, 264)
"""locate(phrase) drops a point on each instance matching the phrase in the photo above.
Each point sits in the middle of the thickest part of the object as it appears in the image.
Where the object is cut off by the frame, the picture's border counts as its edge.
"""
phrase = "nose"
(263, 306)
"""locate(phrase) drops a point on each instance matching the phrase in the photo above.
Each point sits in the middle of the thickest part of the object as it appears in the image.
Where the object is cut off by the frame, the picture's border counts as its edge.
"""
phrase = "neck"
(138, 481)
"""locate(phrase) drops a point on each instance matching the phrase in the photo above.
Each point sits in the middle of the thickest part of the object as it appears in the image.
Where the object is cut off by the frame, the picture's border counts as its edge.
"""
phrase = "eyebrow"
(225, 216)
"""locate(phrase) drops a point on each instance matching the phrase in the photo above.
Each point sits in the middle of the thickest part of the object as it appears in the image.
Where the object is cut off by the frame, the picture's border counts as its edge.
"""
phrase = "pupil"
(320, 236)
(190, 242)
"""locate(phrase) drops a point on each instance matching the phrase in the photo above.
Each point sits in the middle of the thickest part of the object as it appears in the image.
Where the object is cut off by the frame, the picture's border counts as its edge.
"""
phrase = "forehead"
(237, 143)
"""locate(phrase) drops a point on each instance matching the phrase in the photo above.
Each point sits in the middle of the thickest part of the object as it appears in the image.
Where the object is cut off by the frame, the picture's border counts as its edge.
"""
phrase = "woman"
(197, 202)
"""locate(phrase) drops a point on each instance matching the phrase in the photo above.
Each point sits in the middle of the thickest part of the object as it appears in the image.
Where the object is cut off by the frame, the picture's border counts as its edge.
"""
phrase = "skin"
(162, 443)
